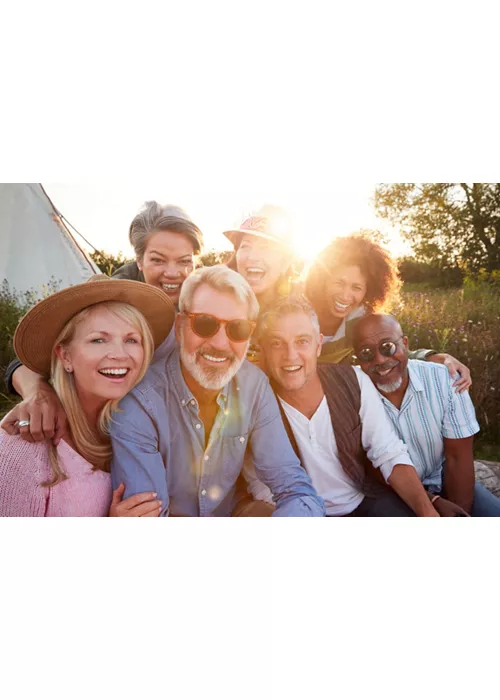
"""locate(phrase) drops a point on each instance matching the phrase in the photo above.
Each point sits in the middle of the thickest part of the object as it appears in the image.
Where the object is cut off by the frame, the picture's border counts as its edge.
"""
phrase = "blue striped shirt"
(431, 410)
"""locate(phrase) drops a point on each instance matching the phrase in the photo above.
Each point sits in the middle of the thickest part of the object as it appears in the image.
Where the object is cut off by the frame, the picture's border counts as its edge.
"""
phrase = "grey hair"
(292, 304)
(156, 217)
(222, 279)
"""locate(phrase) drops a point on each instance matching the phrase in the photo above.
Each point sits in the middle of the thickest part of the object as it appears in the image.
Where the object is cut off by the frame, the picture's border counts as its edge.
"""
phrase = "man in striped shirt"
(436, 423)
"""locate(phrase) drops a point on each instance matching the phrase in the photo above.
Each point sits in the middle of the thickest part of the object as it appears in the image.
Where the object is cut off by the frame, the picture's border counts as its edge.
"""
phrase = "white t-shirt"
(318, 447)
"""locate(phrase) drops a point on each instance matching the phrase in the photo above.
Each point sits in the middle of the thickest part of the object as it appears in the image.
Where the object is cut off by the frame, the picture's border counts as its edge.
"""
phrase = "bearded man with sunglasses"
(185, 429)
(336, 424)
(436, 422)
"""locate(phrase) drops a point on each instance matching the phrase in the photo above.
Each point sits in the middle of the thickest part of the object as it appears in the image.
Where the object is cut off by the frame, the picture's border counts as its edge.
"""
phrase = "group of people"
(237, 389)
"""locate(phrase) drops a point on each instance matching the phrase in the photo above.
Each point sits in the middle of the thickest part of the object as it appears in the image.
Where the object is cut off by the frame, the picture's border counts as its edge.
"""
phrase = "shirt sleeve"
(276, 464)
(383, 446)
(136, 460)
(258, 490)
(459, 419)
(15, 364)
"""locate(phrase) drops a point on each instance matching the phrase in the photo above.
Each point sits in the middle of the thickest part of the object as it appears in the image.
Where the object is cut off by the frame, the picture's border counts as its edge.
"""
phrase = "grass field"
(464, 322)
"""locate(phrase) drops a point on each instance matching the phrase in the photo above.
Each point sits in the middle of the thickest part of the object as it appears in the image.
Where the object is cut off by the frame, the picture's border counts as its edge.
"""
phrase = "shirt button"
(198, 426)
(192, 402)
(242, 439)
(203, 493)
(183, 402)
(206, 458)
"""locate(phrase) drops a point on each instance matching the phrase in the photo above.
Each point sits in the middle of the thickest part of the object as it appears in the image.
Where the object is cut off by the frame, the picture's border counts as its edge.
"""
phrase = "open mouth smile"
(382, 373)
(255, 273)
(212, 358)
(114, 374)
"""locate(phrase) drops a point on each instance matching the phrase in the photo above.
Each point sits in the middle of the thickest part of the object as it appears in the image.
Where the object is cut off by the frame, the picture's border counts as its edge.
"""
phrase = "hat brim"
(37, 332)
(235, 236)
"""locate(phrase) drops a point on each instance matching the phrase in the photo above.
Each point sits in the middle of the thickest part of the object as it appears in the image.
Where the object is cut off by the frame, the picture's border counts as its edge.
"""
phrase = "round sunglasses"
(387, 348)
(206, 326)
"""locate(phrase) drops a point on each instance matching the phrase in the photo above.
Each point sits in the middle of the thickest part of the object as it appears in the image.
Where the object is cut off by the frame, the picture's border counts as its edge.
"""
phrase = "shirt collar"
(184, 395)
(415, 381)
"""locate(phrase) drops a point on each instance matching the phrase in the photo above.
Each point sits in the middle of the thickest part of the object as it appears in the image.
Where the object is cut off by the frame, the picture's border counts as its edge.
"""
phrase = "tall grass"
(465, 323)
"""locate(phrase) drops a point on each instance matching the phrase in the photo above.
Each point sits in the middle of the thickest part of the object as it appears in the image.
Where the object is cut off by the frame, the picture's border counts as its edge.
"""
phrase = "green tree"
(107, 262)
(447, 223)
(215, 257)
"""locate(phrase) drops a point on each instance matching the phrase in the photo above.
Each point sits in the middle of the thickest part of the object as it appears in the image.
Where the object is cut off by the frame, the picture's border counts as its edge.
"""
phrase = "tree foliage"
(447, 223)
(107, 262)
(215, 257)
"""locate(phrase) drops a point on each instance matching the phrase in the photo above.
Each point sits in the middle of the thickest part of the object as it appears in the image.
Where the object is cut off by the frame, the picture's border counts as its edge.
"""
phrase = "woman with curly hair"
(353, 276)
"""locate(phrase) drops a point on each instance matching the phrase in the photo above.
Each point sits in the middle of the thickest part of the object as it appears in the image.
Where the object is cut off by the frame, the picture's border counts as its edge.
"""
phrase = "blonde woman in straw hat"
(166, 243)
(95, 341)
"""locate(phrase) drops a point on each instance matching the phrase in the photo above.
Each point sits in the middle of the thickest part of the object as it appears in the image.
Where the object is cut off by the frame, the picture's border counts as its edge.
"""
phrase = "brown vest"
(343, 397)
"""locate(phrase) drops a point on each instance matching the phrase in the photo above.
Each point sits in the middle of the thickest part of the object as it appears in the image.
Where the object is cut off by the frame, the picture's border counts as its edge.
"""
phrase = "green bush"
(13, 306)
(429, 276)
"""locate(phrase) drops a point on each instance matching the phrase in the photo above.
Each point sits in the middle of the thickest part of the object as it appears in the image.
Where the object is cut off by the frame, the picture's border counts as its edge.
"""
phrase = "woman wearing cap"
(263, 256)
(95, 340)
(353, 276)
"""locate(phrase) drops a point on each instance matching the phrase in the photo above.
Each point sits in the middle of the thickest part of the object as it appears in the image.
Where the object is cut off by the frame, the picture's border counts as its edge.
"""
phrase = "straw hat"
(37, 332)
(269, 222)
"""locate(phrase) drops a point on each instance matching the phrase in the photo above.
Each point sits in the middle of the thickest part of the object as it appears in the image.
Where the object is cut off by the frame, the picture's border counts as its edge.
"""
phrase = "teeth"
(171, 286)
(214, 359)
(384, 372)
(342, 306)
(114, 372)
(255, 269)
(292, 368)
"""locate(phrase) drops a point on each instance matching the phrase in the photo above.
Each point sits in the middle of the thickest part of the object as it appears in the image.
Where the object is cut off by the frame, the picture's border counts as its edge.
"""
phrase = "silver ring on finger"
(23, 423)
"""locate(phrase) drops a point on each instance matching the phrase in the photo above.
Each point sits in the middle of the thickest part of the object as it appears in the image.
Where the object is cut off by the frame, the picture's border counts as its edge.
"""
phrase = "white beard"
(390, 388)
(213, 379)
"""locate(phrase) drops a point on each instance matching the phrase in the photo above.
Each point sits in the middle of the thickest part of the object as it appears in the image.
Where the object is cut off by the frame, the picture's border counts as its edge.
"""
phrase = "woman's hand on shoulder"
(38, 417)
(462, 382)
(141, 505)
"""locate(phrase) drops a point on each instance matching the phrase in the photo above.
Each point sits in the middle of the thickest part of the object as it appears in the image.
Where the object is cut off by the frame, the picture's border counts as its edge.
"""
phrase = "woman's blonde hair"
(91, 442)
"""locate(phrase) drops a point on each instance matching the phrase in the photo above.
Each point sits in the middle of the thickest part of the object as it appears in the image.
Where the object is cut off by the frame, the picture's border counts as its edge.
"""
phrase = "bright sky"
(102, 211)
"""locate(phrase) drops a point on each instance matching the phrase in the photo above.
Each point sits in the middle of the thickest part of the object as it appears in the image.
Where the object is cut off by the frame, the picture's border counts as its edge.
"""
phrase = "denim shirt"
(158, 442)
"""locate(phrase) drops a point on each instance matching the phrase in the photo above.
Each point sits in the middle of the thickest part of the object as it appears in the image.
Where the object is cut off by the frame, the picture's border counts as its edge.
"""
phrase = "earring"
(68, 369)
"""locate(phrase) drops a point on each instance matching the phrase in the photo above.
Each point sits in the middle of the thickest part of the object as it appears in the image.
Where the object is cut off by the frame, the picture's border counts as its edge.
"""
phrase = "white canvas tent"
(35, 245)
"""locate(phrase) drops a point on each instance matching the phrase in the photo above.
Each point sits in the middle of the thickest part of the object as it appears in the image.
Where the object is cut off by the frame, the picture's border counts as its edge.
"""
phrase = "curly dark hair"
(376, 265)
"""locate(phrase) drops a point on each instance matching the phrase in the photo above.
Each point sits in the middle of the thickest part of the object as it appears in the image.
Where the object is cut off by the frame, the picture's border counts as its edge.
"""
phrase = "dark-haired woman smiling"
(349, 278)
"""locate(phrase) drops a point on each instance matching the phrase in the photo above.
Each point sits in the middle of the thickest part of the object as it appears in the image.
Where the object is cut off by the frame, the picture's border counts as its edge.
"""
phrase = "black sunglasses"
(387, 348)
(205, 326)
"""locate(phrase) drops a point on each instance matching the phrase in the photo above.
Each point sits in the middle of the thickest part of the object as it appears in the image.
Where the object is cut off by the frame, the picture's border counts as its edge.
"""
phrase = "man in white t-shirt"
(335, 421)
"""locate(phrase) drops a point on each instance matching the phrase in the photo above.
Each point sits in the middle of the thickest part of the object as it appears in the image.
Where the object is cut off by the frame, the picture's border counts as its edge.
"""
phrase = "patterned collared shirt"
(431, 410)
(158, 442)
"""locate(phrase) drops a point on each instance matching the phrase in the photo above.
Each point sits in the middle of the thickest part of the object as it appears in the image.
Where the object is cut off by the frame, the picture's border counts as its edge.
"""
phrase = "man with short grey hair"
(334, 419)
(183, 432)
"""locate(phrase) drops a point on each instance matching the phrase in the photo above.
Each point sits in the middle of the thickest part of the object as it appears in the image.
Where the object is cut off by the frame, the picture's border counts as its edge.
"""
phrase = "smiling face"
(388, 373)
(212, 362)
(345, 290)
(261, 262)
(105, 356)
(291, 345)
(168, 260)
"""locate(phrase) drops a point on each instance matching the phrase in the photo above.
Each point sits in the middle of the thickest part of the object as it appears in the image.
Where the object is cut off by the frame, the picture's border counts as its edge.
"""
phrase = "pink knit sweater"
(24, 465)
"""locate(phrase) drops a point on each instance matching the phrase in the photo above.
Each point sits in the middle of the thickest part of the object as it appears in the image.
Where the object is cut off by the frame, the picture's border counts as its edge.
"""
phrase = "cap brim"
(38, 331)
(235, 236)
